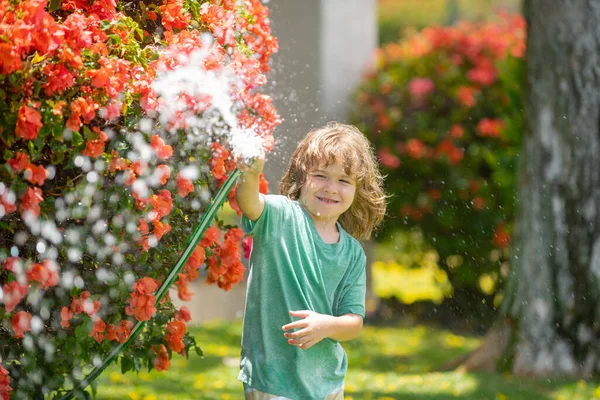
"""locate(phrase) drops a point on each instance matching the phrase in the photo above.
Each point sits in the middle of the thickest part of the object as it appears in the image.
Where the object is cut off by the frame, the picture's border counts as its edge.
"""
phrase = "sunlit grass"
(385, 363)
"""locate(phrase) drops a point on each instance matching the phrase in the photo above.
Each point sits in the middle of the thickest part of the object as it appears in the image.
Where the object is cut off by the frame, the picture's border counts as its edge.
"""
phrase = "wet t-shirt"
(292, 268)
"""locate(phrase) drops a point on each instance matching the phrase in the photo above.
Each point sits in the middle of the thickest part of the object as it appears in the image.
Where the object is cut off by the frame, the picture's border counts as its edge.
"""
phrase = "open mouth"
(327, 201)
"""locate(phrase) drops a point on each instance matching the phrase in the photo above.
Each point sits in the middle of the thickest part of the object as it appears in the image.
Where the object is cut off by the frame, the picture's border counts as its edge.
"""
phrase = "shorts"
(253, 394)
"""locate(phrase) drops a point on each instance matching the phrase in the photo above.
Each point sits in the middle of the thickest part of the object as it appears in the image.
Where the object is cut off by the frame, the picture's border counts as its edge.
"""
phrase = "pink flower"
(387, 159)
(21, 323)
(420, 87)
(247, 246)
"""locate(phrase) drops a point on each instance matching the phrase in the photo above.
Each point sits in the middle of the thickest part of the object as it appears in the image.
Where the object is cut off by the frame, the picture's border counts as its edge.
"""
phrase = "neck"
(327, 229)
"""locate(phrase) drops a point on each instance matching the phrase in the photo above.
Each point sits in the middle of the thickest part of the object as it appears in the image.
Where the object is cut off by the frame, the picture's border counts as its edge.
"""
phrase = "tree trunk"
(553, 296)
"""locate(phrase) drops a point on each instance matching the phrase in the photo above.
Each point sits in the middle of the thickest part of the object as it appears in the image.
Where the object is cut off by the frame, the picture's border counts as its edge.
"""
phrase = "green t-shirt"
(292, 268)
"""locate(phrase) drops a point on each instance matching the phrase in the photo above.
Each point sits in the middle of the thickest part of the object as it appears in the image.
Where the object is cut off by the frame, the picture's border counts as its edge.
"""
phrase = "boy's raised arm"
(247, 195)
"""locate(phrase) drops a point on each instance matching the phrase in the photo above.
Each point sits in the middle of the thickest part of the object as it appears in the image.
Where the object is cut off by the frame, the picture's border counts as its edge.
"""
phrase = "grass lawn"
(385, 363)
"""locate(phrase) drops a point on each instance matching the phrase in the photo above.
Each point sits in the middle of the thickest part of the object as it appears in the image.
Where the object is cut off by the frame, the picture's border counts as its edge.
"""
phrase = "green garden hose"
(162, 290)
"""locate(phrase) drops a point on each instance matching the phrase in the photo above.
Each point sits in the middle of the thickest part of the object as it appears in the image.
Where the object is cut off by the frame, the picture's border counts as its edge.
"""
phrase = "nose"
(331, 186)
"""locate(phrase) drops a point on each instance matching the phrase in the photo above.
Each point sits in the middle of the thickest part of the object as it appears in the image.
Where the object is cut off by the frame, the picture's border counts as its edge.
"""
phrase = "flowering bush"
(98, 191)
(444, 111)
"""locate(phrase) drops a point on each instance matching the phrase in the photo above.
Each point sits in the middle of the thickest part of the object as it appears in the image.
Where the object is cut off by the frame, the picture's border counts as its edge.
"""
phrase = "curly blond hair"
(345, 144)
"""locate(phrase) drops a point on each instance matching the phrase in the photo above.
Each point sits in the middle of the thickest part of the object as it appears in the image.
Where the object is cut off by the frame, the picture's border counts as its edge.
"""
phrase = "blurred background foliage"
(399, 17)
(443, 107)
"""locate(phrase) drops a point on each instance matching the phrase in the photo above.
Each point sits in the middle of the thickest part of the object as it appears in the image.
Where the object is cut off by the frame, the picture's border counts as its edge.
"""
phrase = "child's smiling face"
(328, 192)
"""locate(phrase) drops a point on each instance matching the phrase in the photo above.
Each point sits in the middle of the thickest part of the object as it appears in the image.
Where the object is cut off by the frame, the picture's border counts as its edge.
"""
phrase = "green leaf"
(76, 139)
(54, 5)
(199, 351)
(104, 24)
(126, 364)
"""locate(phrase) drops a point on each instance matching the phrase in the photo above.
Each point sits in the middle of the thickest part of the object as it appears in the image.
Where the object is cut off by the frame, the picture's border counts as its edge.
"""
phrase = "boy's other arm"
(346, 327)
(314, 327)
(247, 195)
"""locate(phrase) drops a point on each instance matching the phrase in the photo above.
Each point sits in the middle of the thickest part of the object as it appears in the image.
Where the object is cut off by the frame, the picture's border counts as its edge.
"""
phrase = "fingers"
(250, 165)
(307, 345)
(294, 325)
(300, 313)
(299, 341)
(298, 334)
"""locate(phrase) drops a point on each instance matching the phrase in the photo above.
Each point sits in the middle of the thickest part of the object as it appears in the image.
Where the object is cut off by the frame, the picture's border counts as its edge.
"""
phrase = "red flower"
(98, 330)
(263, 184)
(160, 229)
(14, 265)
(36, 174)
(117, 163)
(7, 202)
(13, 294)
(19, 162)
(174, 338)
(415, 148)
(184, 185)
(183, 290)
(46, 274)
(489, 127)
(93, 148)
(30, 202)
(163, 151)
(146, 285)
(501, 236)
(21, 323)
(162, 204)
(65, 317)
(183, 314)
(141, 300)
(10, 58)
(220, 155)
(119, 332)
(420, 87)
(456, 131)
(211, 235)
(163, 172)
(448, 148)
(197, 257)
(484, 72)
(466, 96)
(29, 123)
(387, 159)
(173, 15)
(58, 78)
(141, 306)
(162, 362)
(478, 203)
(5, 388)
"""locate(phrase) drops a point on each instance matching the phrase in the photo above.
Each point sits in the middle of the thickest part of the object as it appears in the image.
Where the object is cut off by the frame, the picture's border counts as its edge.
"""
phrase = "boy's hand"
(313, 328)
(253, 167)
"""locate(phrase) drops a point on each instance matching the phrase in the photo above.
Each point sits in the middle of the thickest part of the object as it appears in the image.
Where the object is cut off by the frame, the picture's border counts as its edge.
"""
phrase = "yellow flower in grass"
(115, 377)
(350, 387)
(455, 341)
(501, 396)
(134, 395)
(150, 397)
(199, 381)
(597, 393)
